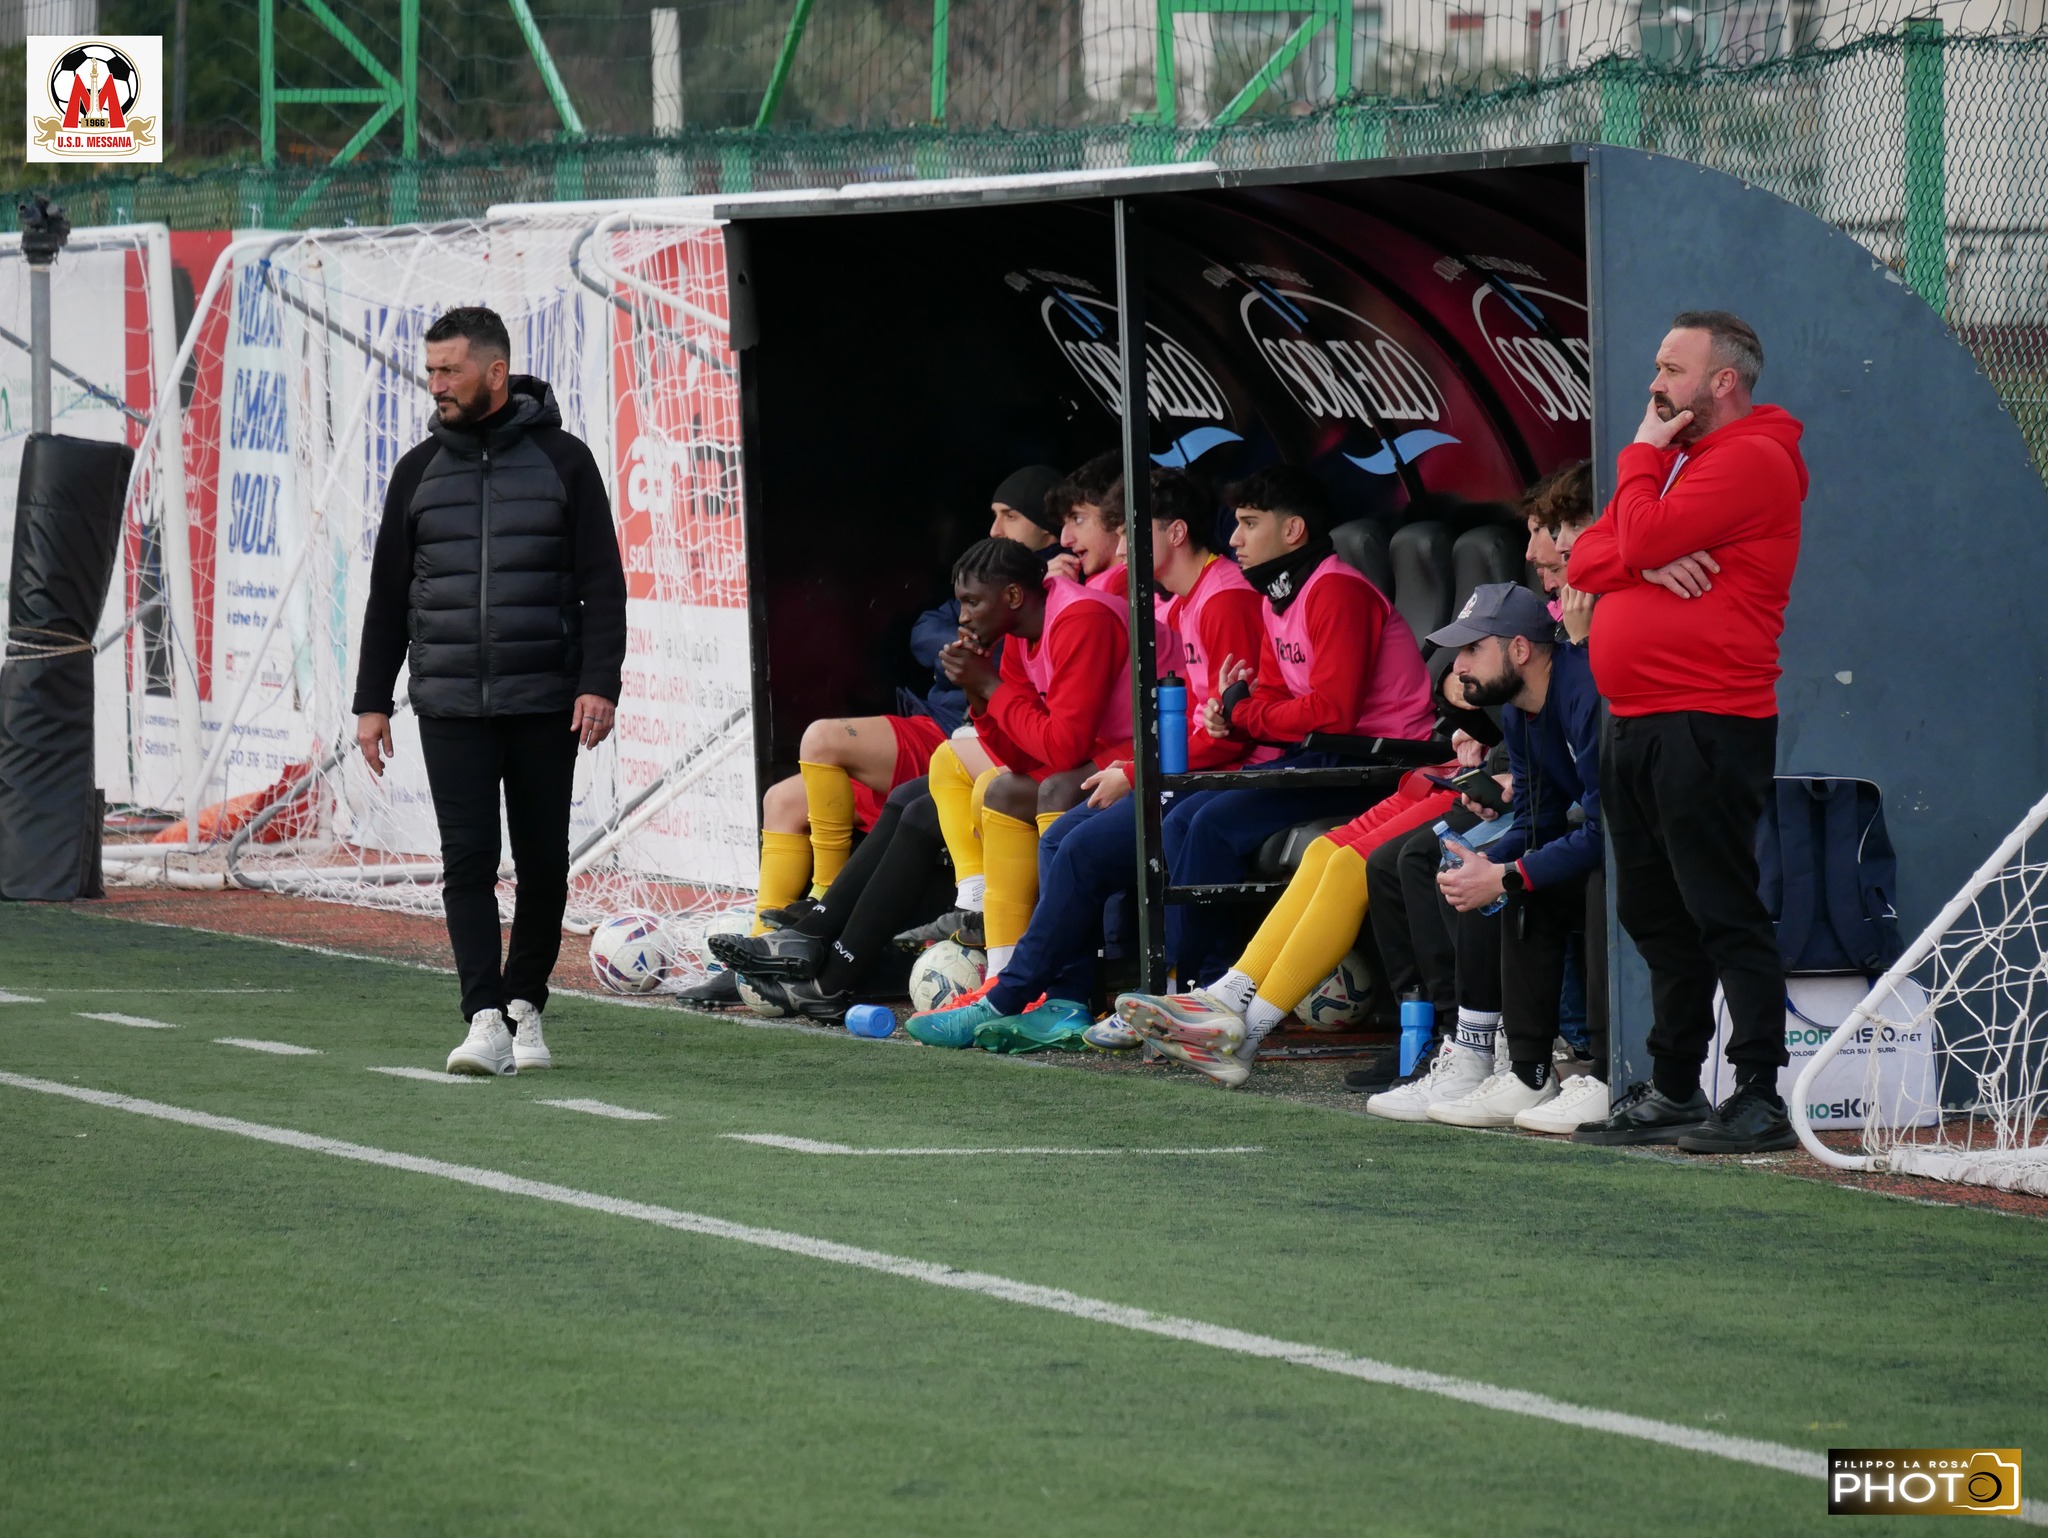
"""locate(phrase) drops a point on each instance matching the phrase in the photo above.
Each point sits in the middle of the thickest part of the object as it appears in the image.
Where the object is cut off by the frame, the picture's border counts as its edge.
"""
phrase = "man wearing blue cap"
(1547, 867)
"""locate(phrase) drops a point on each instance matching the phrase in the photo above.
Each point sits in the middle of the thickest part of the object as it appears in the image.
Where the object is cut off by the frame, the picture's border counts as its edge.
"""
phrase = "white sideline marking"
(1769, 1455)
(135, 1020)
(281, 1048)
(17, 998)
(168, 990)
(600, 1108)
(804, 1145)
(433, 1076)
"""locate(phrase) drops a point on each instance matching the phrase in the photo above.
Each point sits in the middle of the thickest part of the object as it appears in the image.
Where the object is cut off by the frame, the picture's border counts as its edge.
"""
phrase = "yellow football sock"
(828, 791)
(1266, 945)
(952, 789)
(1324, 934)
(785, 871)
(1046, 820)
(1012, 877)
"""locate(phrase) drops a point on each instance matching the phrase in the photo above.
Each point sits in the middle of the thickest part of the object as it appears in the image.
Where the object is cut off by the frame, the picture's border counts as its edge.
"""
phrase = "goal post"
(1981, 969)
(303, 363)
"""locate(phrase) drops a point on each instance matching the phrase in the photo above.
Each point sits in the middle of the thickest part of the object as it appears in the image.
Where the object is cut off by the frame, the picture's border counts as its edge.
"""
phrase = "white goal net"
(306, 386)
(1982, 971)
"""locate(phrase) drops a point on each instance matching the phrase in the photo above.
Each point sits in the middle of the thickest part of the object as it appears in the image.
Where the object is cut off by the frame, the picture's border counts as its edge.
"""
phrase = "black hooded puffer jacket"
(498, 561)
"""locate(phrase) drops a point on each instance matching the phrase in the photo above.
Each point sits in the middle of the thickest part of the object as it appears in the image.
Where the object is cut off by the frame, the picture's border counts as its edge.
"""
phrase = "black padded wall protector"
(1421, 554)
(66, 532)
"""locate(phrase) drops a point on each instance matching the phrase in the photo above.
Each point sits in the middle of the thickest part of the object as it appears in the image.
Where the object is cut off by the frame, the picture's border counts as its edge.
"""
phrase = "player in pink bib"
(1339, 658)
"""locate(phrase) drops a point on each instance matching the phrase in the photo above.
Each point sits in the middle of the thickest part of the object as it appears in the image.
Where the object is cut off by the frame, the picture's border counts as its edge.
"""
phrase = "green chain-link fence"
(1924, 147)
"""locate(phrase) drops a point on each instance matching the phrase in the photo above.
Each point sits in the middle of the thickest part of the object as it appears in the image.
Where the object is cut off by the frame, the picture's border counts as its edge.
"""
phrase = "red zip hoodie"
(1735, 494)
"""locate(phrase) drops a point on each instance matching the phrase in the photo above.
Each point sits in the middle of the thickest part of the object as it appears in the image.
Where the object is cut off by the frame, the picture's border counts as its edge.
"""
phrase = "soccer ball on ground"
(751, 997)
(1343, 999)
(629, 953)
(697, 938)
(943, 973)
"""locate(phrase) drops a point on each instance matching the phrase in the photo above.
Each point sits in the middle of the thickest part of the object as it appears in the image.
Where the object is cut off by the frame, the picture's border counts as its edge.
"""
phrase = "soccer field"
(251, 1290)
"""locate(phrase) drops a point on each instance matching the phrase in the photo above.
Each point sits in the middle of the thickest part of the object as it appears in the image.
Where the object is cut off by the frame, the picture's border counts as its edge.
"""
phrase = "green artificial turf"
(209, 1335)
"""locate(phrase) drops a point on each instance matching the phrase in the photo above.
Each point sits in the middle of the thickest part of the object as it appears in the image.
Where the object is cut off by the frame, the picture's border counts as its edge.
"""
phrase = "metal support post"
(43, 232)
(1137, 446)
(1926, 235)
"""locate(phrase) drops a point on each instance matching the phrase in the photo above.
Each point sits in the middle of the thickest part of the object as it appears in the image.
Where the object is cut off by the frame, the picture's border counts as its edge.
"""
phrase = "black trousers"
(1534, 929)
(899, 876)
(534, 759)
(1681, 795)
(1453, 958)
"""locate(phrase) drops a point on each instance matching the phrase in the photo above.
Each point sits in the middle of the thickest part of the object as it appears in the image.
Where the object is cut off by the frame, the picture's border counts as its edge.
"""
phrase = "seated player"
(1338, 658)
(846, 766)
(1062, 683)
(1217, 1029)
(1089, 551)
(1564, 510)
(1090, 850)
(1053, 711)
(1547, 868)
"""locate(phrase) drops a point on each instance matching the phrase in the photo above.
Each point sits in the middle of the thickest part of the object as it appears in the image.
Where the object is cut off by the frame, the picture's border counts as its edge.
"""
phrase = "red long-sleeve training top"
(1045, 734)
(1735, 494)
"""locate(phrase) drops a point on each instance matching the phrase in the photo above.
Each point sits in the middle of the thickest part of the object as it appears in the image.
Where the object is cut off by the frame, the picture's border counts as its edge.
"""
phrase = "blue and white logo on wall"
(1342, 369)
(1180, 393)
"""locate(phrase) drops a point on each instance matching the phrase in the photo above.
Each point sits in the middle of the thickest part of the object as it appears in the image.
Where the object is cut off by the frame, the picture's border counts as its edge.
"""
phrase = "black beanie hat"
(1026, 489)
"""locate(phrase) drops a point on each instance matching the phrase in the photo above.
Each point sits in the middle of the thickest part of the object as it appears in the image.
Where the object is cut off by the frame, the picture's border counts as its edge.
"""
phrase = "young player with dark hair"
(846, 766)
(1088, 851)
(1338, 658)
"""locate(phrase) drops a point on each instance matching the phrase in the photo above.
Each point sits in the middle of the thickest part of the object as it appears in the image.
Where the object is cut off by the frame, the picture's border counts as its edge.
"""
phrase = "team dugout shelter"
(1429, 336)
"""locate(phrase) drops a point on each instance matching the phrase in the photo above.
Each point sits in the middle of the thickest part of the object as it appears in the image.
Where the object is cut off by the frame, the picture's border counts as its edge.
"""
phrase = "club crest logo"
(94, 99)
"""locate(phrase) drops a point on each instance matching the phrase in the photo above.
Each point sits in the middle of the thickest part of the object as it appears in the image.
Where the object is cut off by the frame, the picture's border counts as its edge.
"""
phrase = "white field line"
(138, 1021)
(804, 1145)
(281, 1048)
(431, 1075)
(1770, 1455)
(170, 990)
(17, 998)
(600, 1108)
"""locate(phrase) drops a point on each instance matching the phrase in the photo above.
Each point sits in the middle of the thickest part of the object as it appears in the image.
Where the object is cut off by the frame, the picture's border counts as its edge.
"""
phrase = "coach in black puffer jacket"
(497, 580)
(512, 615)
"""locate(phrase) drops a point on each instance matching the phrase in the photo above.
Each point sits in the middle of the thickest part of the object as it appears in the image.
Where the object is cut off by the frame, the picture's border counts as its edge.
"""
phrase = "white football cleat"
(1220, 1066)
(1580, 1100)
(1197, 1018)
(529, 1050)
(1457, 1071)
(487, 1049)
(1495, 1103)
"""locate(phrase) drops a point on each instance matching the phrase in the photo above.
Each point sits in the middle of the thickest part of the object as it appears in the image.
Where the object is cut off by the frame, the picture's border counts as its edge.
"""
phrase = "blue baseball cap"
(1499, 608)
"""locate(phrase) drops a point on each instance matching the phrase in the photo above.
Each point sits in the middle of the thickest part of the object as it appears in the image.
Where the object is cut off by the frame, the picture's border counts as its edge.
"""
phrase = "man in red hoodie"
(1693, 563)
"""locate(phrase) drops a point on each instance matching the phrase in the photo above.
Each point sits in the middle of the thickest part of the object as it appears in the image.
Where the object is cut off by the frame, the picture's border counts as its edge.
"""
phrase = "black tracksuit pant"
(899, 876)
(534, 759)
(1408, 916)
(1534, 928)
(1681, 794)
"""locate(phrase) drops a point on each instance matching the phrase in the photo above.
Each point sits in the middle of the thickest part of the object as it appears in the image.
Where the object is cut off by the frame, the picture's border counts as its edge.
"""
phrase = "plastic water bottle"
(871, 1020)
(1173, 725)
(1418, 1024)
(1445, 839)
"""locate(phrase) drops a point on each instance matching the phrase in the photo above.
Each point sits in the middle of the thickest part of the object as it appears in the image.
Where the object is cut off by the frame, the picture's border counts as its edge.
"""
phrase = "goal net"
(304, 363)
(1982, 971)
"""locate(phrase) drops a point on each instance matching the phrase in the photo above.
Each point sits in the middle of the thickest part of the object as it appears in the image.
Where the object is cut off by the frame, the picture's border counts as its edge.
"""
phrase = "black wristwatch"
(1511, 880)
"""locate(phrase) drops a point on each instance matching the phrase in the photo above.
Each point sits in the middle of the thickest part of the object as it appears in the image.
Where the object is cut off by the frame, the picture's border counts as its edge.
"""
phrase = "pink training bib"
(1396, 701)
(1061, 595)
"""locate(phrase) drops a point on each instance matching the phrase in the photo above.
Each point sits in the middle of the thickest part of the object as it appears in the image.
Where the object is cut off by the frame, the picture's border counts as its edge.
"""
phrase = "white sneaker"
(487, 1049)
(528, 1049)
(1580, 1100)
(1457, 1071)
(1495, 1103)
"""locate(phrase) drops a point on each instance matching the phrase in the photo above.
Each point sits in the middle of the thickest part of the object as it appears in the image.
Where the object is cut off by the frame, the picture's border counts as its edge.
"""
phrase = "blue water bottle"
(1173, 725)
(871, 1020)
(1418, 1024)
(1445, 838)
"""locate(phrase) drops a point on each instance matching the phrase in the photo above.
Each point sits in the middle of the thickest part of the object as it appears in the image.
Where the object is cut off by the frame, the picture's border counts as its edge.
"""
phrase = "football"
(629, 953)
(1343, 999)
(751, 997)
(943, 973)
(697, 937)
